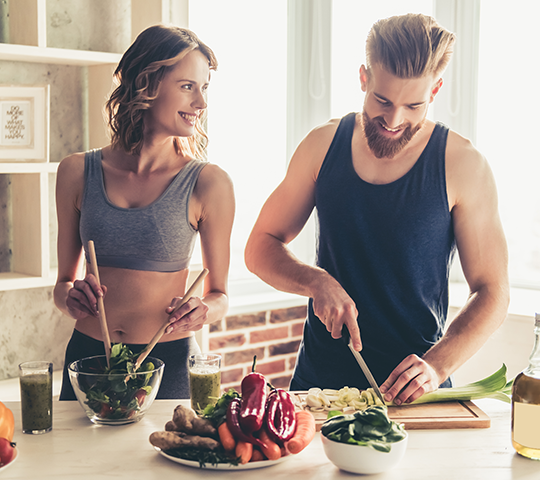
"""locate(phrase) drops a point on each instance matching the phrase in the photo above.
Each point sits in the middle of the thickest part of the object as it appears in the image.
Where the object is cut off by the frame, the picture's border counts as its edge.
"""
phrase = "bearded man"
(395, 195)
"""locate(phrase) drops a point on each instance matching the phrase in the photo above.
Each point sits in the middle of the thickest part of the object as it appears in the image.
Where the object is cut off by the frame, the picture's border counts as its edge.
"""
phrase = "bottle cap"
(537, 319)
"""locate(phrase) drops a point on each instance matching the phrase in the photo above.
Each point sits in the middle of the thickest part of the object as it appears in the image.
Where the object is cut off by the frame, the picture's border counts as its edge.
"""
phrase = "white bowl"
(363, 459)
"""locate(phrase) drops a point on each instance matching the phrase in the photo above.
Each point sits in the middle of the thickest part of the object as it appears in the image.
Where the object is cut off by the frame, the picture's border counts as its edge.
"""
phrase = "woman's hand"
(82, 297)
(190, 317)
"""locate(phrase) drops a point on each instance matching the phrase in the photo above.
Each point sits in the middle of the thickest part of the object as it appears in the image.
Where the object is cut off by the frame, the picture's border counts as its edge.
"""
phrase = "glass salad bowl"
(114, 396)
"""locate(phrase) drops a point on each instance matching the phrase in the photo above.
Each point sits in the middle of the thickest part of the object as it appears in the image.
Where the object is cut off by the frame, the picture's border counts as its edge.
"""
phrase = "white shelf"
(28, 167)
(17, 281)
(30, 181)
(61, 56)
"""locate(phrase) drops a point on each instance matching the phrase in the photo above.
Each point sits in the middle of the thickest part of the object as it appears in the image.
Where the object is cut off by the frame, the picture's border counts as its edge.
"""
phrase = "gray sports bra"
(157, 237)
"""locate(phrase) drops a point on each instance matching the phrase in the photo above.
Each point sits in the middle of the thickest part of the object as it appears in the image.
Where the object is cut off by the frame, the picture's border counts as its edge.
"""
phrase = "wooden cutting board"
(443, 415)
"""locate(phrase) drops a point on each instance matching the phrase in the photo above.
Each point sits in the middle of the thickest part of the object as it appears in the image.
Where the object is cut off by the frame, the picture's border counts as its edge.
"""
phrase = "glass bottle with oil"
(526, 403)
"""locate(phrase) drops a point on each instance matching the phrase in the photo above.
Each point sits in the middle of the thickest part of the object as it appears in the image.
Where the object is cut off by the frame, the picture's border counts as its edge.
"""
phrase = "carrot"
(272, 450)
(226, 437)
(257, 455)
(305, 432)
(244, 450)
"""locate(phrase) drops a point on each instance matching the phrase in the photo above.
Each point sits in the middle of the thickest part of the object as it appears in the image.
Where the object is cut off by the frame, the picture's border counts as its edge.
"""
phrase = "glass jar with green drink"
(35, 379)
(204, 379)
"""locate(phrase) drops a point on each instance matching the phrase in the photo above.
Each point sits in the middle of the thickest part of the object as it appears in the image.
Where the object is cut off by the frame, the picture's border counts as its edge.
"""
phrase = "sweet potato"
(186, 420)
(170, 440)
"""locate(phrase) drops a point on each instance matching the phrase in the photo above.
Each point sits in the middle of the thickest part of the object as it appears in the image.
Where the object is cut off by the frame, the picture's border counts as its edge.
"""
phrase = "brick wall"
(273, 335)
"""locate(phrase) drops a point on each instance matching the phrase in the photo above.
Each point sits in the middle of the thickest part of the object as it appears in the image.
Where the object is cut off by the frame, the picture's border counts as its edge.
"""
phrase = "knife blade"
(363, 365)
(367, 373)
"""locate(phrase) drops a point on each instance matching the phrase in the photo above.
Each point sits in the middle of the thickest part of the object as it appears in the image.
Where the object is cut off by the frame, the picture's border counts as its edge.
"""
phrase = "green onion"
(495, 386)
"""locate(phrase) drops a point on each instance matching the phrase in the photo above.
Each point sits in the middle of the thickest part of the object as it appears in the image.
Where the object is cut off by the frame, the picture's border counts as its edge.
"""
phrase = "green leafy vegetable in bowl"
(115, 394)
(370, 427)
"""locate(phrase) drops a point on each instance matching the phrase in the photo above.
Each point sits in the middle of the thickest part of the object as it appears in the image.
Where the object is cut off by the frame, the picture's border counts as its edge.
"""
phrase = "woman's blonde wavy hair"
(409, 46)
(138, 76)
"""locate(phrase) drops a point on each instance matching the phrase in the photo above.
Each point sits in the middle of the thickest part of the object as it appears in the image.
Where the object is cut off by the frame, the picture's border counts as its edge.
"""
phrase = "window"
(351, 22)
(253, 133)
(508, 104)
(248, 124)
(246, 103)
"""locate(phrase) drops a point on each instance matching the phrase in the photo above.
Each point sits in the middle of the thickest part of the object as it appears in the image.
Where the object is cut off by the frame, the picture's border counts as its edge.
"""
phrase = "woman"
(142, 200)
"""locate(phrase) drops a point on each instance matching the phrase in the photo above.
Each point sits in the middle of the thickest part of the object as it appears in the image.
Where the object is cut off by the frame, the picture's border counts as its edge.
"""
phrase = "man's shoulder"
(466, 167)
(460, 151)
(459, 143)
(322, 135)
(325, 129)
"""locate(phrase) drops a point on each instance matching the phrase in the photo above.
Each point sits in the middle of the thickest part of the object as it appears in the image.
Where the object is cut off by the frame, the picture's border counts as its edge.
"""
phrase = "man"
(395, 194)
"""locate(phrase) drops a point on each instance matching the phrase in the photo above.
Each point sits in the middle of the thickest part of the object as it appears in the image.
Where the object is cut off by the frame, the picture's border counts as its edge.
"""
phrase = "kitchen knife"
(363, 365)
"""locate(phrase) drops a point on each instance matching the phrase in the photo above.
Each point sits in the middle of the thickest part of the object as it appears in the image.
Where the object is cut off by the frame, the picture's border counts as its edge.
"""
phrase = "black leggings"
(175, 354)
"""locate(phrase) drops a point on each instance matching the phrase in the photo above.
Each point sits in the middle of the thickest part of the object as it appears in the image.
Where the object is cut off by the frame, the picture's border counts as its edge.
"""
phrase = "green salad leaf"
(217, 413)
(370, 427)
(119, 393)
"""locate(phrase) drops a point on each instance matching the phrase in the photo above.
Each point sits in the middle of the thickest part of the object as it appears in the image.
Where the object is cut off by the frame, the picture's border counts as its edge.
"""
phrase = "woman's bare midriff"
(135, 304)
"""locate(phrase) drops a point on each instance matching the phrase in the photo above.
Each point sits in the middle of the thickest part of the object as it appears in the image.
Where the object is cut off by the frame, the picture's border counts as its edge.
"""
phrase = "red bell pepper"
(233, 422)
(280, 419)
(254, 396)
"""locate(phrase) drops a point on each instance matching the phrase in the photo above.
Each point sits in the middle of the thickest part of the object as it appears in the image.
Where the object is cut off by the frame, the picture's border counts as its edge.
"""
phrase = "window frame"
(455, 106)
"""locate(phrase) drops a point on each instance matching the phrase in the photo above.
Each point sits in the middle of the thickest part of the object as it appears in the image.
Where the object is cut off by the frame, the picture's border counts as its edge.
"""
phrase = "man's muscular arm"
(483, 253)
(281, 219)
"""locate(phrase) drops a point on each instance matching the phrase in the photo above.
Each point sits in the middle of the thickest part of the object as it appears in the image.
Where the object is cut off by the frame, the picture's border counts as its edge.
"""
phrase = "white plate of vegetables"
(222, 466)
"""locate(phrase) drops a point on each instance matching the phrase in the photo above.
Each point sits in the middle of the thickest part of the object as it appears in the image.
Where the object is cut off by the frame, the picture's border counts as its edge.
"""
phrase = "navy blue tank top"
(391, 247)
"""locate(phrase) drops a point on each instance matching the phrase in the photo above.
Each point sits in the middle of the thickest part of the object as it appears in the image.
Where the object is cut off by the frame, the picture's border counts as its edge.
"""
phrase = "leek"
(495, 386)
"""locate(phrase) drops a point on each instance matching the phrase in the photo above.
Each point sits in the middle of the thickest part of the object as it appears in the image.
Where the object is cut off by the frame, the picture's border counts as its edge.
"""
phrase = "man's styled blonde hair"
(409, 46)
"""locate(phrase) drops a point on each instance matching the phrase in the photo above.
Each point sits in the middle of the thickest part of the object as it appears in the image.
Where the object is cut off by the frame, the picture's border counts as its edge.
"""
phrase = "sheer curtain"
(508, 105)
(246, 103)
(351, 22)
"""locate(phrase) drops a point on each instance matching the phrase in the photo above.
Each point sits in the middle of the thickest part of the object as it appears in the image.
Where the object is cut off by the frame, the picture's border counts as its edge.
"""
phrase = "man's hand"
(410, 380)
(333, 306)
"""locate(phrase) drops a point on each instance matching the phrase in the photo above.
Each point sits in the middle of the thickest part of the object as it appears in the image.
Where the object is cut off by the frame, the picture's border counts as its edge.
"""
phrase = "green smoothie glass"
(35, 380)
(204, 379)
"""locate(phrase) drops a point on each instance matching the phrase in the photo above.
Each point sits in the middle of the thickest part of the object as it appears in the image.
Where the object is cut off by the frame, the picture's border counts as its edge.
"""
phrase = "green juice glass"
(204, 379)
(35, 379)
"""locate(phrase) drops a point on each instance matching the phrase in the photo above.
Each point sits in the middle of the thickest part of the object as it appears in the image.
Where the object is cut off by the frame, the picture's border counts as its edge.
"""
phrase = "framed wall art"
(24, 124)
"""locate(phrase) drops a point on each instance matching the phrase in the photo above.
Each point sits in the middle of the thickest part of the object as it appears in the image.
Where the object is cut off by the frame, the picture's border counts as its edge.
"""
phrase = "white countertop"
(78, 449)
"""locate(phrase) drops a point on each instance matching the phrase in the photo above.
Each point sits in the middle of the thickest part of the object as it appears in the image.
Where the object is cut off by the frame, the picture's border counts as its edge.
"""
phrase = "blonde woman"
(143, 200)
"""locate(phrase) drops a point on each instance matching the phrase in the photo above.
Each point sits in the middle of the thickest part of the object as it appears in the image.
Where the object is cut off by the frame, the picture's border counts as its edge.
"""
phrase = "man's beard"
(387, 147)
